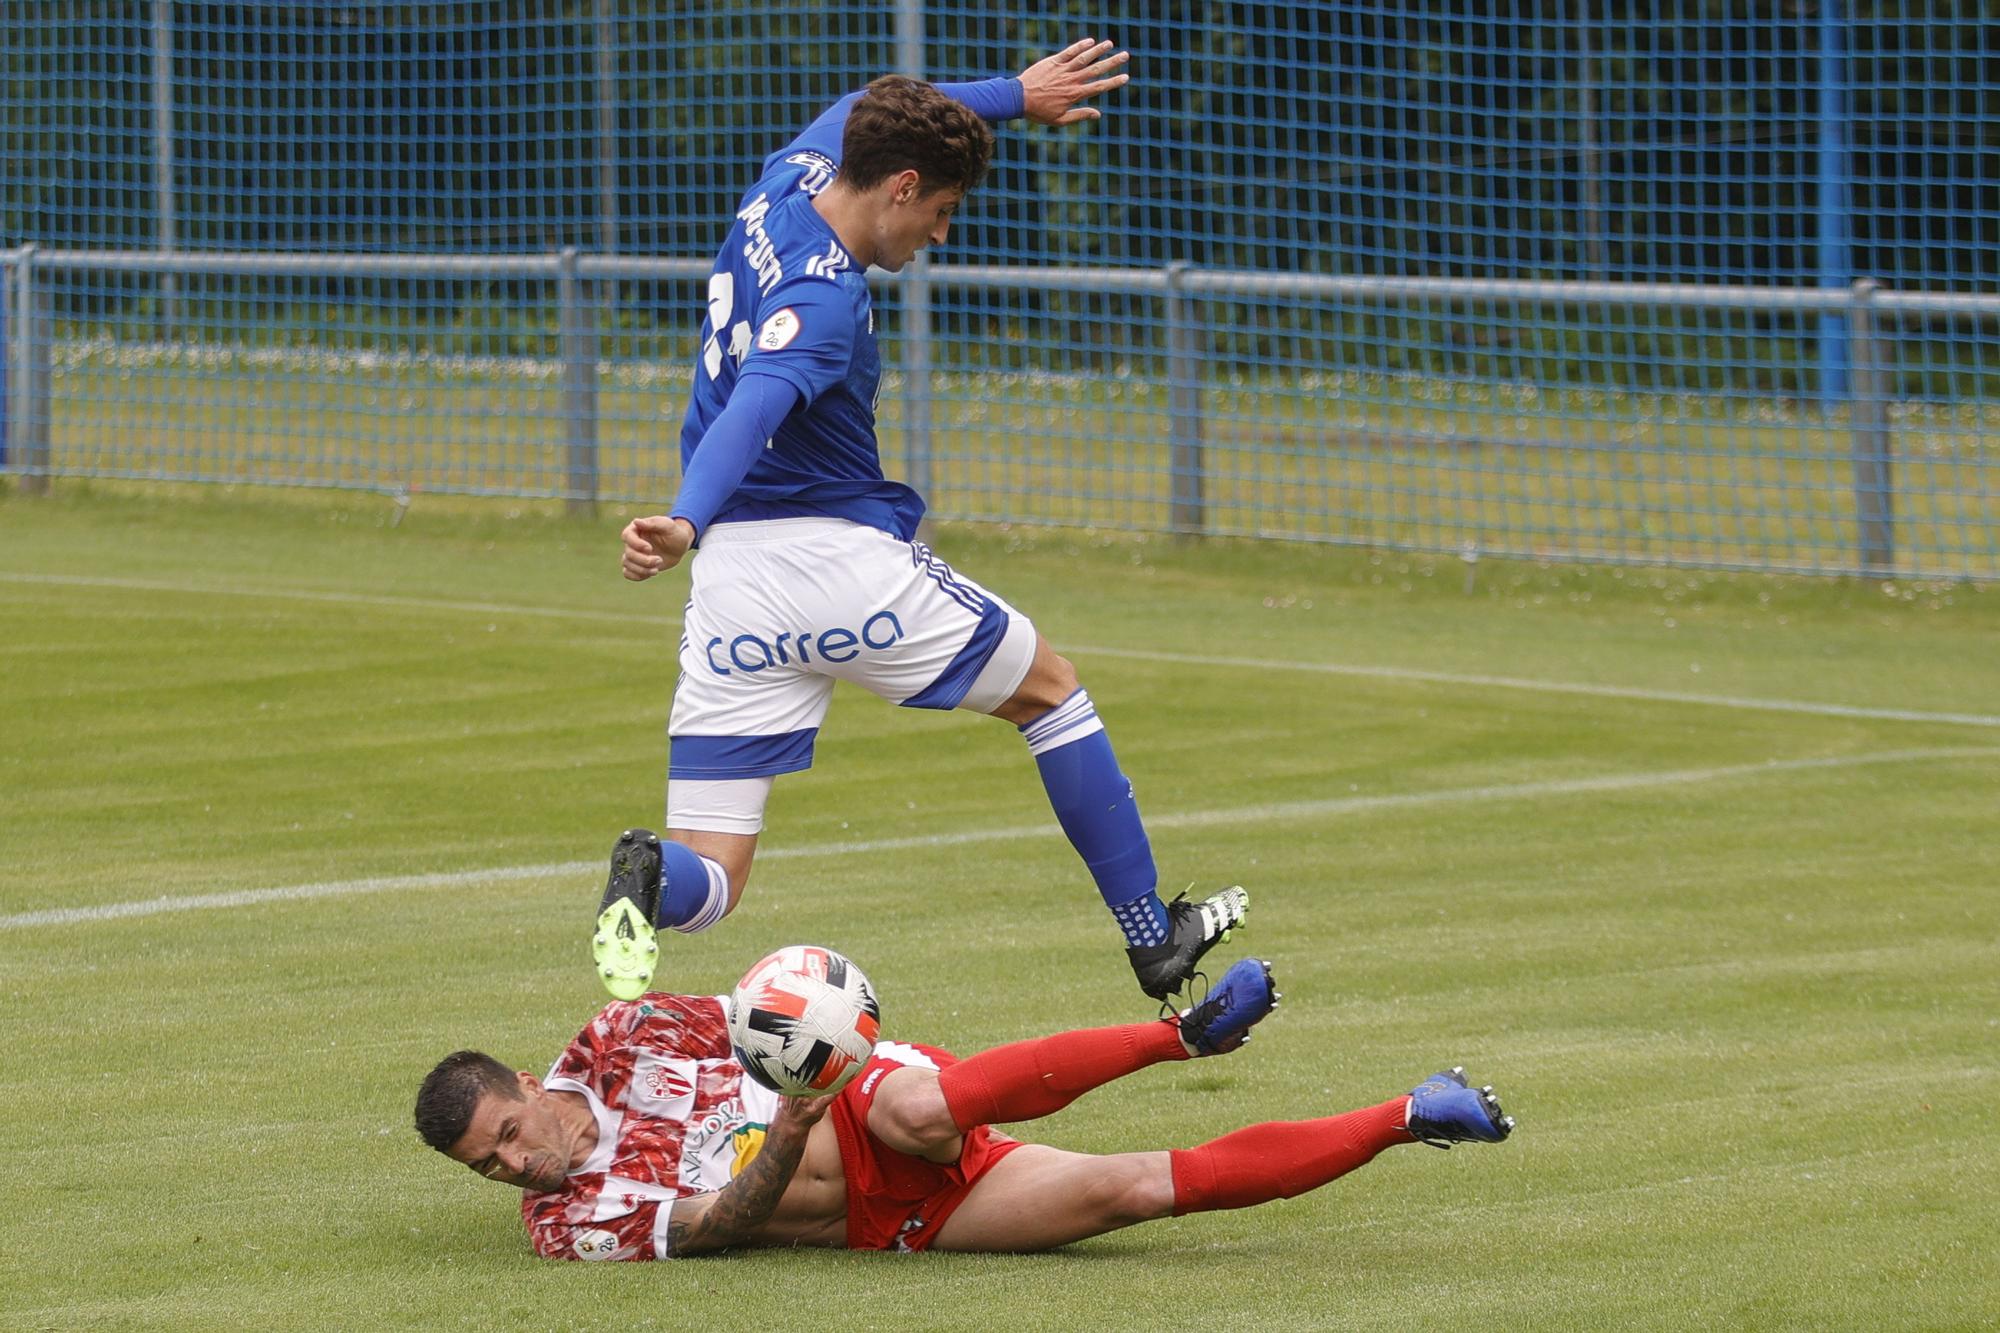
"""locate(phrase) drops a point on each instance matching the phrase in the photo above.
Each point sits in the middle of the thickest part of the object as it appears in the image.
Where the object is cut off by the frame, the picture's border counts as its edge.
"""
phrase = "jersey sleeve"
(730, 447)
(629, 1236)
(989, 99)
(806, 337)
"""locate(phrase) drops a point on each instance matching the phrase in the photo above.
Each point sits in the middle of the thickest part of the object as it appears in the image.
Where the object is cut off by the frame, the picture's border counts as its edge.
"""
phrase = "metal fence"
(1186, 447)
(1575, 280)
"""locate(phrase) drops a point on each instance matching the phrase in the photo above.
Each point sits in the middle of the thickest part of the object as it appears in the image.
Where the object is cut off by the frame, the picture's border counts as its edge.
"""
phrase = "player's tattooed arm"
(709, 1222)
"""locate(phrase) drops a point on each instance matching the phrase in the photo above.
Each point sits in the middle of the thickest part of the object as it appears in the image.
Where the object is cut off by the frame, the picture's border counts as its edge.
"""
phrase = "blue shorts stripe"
(946, 578)
(714, 758)
(948, 690)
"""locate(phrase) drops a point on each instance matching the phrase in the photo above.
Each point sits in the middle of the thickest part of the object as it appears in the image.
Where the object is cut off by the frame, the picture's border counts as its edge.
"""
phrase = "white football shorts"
(782, 608)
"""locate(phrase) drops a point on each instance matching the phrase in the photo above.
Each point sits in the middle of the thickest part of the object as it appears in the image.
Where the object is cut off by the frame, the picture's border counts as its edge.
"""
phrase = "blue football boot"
(1235, 1004)
(1444, 1111)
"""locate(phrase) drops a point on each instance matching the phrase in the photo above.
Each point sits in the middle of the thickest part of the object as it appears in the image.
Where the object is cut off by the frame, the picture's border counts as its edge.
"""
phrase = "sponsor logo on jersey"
(719, 1145)
(748, 1140)
(778, 331)
(752, 653)
(596, 1244)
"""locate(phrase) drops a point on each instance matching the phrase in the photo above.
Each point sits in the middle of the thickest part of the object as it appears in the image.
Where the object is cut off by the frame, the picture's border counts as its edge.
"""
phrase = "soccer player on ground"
(809, 571)
(648, 1141)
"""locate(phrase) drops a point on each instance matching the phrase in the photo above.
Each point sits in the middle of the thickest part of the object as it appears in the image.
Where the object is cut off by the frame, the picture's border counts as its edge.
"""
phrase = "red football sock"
(1030, 1079)
(1282, 1158)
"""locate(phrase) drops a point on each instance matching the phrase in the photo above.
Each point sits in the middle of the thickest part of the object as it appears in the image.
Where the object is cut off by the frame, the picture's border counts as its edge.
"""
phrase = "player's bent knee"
(1051, 680)
(1130, 1188)
(1062, 681)
(910, 1115)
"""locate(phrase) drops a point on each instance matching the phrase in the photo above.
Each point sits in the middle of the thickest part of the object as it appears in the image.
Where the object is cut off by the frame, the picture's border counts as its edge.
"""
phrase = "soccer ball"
(803, 1021)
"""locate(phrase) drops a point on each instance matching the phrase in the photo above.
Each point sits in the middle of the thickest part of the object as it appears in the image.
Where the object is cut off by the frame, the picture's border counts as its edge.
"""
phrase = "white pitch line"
(1133, 654)
(1552, 687)
(1192, 819)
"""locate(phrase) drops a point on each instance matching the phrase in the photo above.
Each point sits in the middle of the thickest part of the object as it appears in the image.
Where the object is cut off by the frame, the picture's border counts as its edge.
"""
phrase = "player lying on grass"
(809, 570)
(647, 1141)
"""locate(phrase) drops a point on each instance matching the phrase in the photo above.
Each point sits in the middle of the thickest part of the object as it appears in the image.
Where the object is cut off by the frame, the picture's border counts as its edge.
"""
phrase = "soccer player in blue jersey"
(808, 569)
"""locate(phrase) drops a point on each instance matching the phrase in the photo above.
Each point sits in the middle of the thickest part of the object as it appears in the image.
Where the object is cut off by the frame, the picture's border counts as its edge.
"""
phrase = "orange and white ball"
(804, 1020)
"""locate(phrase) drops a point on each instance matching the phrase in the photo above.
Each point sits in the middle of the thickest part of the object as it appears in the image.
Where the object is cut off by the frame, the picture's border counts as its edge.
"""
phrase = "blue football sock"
(1093, 802)
(694, 891)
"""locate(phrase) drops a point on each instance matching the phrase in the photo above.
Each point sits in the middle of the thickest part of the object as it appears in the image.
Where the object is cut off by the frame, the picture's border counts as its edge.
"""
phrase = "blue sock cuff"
(683, 884)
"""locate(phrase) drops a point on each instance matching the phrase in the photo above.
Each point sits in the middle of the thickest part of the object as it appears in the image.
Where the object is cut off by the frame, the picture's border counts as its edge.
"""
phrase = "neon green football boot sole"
(626, 944)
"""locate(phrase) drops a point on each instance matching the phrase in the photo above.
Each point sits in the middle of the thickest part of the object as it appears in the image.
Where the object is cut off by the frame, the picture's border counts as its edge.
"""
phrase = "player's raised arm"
(1049, 92)
(708, 1222)
(1054, 87)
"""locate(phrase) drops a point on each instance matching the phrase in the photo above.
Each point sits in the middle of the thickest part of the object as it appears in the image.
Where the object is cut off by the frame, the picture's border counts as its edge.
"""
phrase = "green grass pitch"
(1702, 871)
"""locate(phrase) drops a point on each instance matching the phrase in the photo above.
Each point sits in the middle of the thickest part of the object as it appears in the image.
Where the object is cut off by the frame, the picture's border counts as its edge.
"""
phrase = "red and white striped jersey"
(675, 1116)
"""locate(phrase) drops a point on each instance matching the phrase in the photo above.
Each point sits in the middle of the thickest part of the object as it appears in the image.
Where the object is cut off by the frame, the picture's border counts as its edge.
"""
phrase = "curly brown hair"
(901, 124)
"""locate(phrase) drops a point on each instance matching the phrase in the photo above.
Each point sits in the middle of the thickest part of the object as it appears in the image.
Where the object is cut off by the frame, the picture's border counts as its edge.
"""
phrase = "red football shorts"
(895, 1201)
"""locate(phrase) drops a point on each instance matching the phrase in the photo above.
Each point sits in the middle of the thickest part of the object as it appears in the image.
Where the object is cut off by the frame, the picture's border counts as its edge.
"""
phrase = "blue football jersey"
(787, 300)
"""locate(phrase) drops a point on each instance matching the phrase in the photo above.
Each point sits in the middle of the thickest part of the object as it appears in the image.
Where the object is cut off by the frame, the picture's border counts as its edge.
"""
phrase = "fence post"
(1184, 416)
(917, 376)
(31, 392)
(6, 358)
(915, 291)
(577, 333)
(605, 27)
(1868, 428)
(1836, 256)
(163, 157)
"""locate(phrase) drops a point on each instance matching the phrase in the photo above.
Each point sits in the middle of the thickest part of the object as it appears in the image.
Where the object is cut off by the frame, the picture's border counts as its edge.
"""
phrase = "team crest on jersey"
(666, 1084)
(778, 331)
(664, 1087)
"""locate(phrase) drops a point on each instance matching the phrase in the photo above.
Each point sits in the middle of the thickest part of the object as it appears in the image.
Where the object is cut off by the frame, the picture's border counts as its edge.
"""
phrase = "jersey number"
(721, 304)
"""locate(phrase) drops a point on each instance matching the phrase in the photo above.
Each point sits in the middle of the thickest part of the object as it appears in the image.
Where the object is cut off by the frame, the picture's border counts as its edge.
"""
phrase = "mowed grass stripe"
(337, 598)
(1209, 661)
(1292, 810)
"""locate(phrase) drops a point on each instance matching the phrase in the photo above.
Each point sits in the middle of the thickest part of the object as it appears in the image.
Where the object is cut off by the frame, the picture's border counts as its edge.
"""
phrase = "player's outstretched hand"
(1055, 84)
(803, 1112)
(653, 545)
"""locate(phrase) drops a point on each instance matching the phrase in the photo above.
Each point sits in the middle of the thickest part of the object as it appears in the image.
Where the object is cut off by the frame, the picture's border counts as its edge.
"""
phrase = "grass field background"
(1702, 871)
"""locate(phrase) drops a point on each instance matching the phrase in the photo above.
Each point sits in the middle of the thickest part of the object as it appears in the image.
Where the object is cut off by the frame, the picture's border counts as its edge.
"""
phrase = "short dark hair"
(900, 124)
(451, 1093)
